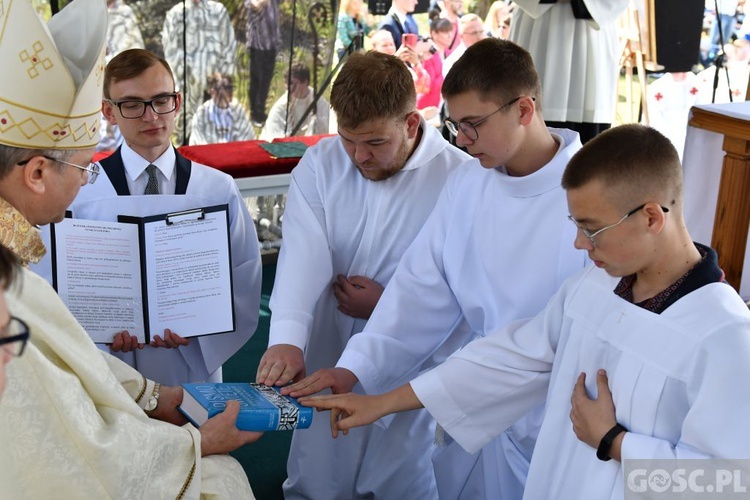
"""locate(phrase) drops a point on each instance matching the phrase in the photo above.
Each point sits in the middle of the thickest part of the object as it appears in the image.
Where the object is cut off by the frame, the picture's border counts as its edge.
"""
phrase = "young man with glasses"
(74, 420)
(495, 249)
(638, 356)
(140, 98)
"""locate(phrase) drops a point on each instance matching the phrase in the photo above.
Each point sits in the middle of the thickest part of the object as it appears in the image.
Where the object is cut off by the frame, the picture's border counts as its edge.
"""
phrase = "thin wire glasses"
(470, 129)
(92, 171)
(132, 109)
(591, 235)
(14, 336)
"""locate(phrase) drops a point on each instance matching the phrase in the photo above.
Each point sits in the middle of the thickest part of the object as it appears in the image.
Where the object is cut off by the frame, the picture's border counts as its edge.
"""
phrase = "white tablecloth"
(702, 161)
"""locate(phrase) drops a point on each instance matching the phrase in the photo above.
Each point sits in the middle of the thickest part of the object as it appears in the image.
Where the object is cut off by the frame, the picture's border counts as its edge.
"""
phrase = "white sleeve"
(492, 382)
(304, 267)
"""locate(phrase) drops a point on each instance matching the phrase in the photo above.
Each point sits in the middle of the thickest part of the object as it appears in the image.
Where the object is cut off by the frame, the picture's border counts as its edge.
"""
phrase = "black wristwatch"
(605, 445)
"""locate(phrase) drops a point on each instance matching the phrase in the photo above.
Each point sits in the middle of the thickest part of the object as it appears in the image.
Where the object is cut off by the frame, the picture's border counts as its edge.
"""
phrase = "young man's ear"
(412, 124)
(178, 103)
(657, 219)
(527, 108)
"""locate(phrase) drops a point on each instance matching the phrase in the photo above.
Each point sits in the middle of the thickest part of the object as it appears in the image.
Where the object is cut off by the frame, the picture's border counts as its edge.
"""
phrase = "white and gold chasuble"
(70, 421)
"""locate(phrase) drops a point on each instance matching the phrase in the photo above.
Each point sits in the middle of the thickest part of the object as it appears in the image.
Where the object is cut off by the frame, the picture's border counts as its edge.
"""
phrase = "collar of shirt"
(400, 15)
(704, 272)
(135, 167)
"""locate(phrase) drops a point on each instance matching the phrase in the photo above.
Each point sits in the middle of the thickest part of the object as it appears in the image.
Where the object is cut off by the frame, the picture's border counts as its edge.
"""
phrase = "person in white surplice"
(495, 249)
(77, 422)
(355, 204)
(575, 48)
(635, 355)
(144, 107)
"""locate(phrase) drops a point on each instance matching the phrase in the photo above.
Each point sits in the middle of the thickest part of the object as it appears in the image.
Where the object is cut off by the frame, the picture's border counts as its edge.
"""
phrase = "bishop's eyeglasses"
(92, 171)
(14, 336)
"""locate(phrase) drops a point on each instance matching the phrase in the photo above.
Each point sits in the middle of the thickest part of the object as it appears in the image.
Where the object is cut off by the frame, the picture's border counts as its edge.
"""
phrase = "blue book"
(262, 408)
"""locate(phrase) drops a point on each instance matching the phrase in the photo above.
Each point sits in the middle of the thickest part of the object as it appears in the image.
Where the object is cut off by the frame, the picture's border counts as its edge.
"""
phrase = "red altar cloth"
(240, 159)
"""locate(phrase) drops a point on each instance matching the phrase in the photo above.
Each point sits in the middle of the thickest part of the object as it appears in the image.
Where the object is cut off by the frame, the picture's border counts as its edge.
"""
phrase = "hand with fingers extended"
(339, 380)
(354, 410)
(220, 434)
(281, 364)
(124, 342)
(347, 410)
(592, 418)
(357, 295)
(170, 341)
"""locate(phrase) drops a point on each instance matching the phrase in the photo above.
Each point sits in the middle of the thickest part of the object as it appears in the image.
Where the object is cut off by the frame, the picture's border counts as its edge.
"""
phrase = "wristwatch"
(153, 401)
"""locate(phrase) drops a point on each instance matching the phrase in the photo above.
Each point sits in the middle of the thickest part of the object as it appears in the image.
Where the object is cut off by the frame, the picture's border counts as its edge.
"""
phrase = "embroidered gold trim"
(143, 391)
(187, 482)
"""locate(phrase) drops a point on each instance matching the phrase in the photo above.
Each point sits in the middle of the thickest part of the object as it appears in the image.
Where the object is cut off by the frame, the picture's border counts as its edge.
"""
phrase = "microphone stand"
(356, 42)
(720, 61)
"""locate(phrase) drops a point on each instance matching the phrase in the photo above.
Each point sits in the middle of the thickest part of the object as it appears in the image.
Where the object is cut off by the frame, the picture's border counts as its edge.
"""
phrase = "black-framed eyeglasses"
(132, 109)
(14, 337)
(470, 128)
(591, 235)
(92, 171)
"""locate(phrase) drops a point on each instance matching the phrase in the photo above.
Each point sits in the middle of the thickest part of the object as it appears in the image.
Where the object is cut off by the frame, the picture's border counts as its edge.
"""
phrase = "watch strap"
(605, 445)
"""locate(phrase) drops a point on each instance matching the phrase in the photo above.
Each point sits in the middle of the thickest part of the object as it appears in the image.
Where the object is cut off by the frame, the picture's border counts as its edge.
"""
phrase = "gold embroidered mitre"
(52, 75)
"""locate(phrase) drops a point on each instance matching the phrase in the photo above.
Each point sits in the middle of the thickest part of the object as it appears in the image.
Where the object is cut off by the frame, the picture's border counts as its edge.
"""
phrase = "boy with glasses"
(495, 249)
(636, 356)
(147, 176)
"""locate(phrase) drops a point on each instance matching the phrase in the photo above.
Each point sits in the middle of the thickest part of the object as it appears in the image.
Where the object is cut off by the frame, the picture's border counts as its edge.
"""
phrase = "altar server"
(73, 418)
(355, 204)
(635, 355)
(495, 249)
(140, 98)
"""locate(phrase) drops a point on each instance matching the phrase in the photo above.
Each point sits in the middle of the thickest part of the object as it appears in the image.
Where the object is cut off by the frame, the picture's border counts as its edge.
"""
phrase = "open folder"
(145, 274)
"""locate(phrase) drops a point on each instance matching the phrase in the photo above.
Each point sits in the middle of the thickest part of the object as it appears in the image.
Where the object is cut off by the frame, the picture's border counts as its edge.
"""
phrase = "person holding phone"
(382, 41)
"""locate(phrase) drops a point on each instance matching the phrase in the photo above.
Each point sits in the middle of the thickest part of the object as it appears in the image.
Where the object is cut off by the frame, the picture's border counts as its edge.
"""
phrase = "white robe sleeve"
(305, 267)
(393, 347)
(492, 382)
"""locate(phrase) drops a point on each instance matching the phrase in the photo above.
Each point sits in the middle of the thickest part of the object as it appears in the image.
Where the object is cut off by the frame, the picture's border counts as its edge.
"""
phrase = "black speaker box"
(380, 7)
(678, 25)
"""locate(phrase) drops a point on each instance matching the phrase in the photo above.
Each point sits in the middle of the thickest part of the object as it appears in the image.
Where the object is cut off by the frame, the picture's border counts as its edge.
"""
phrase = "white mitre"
(51, 84)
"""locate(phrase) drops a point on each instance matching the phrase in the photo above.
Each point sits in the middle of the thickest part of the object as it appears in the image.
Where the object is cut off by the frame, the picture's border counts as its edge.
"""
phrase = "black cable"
(720, 60)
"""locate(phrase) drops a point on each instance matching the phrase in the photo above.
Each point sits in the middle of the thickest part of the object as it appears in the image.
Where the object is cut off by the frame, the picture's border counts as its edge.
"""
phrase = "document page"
(98, 276)
(189, 273)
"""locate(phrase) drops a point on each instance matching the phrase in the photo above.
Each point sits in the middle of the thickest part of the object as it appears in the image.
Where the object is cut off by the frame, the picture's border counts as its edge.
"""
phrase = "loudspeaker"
(676, 32)
(381, 7)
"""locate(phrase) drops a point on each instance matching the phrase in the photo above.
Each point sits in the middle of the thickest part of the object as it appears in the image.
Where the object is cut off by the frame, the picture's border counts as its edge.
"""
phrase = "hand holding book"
(220, 434)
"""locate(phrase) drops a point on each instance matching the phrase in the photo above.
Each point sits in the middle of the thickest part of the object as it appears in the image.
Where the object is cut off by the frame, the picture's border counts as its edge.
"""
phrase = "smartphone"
(410, 40)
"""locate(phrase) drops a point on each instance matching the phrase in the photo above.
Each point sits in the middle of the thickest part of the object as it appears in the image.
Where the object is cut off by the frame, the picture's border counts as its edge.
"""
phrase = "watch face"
(151, 405)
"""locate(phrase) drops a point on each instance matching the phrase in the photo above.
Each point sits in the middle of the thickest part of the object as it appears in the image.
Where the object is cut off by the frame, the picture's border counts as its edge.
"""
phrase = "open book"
(145, 274)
